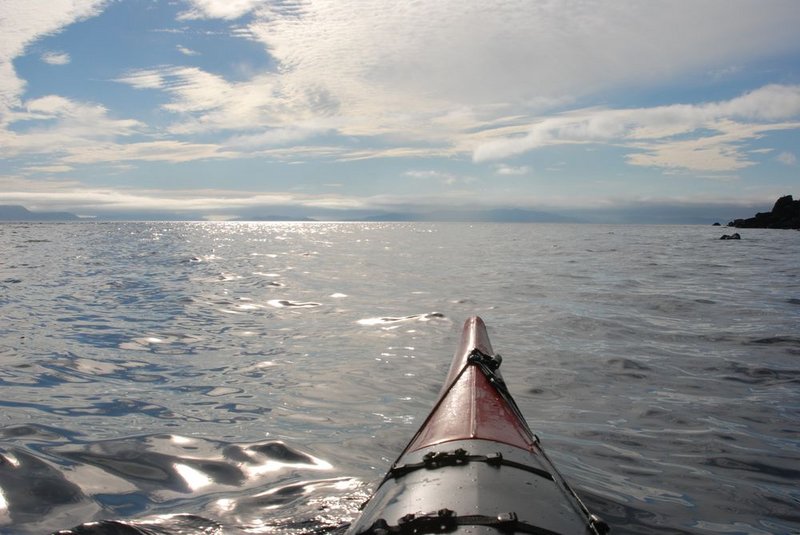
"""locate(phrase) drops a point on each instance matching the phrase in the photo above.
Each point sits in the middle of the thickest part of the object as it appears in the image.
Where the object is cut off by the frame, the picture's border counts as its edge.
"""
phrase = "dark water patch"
(793, 301)
(156, 471)
(792, 341)
(625, 519)
(37, 434)
(548, 394)
(759, 375)
(113, 408)
(281, 452)
(240, 408)
(627, 364)
(122, 369)
(759, 468)
(32, 487)
(182, 524)
(627, 368)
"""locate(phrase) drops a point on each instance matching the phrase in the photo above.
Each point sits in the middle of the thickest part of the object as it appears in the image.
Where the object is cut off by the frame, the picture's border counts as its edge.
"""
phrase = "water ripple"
(202, 377)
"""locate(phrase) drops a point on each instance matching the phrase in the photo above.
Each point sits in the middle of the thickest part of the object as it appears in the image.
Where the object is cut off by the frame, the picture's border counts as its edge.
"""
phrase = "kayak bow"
(475, 464)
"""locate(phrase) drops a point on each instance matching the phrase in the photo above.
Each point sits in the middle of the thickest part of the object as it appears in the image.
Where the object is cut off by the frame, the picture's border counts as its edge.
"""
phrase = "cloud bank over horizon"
(532, 104)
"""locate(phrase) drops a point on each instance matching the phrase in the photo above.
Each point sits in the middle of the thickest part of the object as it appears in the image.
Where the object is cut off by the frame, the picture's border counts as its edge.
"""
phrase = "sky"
(216, 109)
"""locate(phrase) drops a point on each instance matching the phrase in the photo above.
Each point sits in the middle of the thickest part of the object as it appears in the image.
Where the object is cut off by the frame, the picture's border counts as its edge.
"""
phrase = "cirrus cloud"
(219, 9)
(787, 158)
(56, 58)
(697, 137)
(22, 22)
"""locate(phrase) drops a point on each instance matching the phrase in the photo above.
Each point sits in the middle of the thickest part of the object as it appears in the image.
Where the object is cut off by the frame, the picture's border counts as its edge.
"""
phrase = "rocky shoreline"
(784, 215)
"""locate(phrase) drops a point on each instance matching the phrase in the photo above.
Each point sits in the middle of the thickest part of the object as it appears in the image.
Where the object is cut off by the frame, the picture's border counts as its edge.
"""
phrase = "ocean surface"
(229, 378)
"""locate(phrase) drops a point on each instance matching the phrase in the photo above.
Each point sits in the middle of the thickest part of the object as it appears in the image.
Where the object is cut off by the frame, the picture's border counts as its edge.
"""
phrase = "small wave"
(200, 259)
(762, 375)
(782, 340)
(545, 393)
(176, 343)
(387, 320)
(263, 274)
(284, 303)
(764, 470)
(628, 368)
(139, 471)
(181, 523)
(186, 464)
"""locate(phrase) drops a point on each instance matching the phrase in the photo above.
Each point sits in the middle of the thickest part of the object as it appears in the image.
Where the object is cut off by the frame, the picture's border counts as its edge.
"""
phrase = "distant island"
(13, 212)
(274, 219)
(784, 215)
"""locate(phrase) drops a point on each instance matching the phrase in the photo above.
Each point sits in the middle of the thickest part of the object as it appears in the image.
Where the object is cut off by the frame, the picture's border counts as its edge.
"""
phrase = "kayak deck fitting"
(474, 466)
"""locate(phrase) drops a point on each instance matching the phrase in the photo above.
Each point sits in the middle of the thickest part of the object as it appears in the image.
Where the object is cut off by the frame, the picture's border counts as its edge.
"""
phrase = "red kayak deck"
(470, 405)
(472, 408)
(474, 467)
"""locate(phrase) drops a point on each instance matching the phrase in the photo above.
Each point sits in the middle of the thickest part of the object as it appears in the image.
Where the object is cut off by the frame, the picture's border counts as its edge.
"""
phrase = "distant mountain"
(13, 212)
(393, 217)
(519, 215)
(287, 218)
(499, 215)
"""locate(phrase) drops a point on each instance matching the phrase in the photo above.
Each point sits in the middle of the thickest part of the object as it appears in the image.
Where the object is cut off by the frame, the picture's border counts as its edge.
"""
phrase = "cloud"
(48, 169)
(400, 67)
(75, 133)
(500, 52)
(77, 197)
(206, 102)
(192, 89)
(219, 9)
(56, 58)
(787, 158)
(23, 22)
(149, 151)
(427, 79)
(769, 103)
(443, 177)
(272, 137)
(506, 170)
(703, 137)
(187, 51)
(84, 199)
(445, 80)
(57, 126)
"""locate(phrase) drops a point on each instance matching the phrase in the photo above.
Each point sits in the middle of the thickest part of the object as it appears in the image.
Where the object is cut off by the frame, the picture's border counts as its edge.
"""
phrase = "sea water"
(261, 377)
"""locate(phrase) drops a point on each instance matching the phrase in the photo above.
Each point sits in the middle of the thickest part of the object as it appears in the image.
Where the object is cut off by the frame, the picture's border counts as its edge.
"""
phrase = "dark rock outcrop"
(734, 236)
(785, 214)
